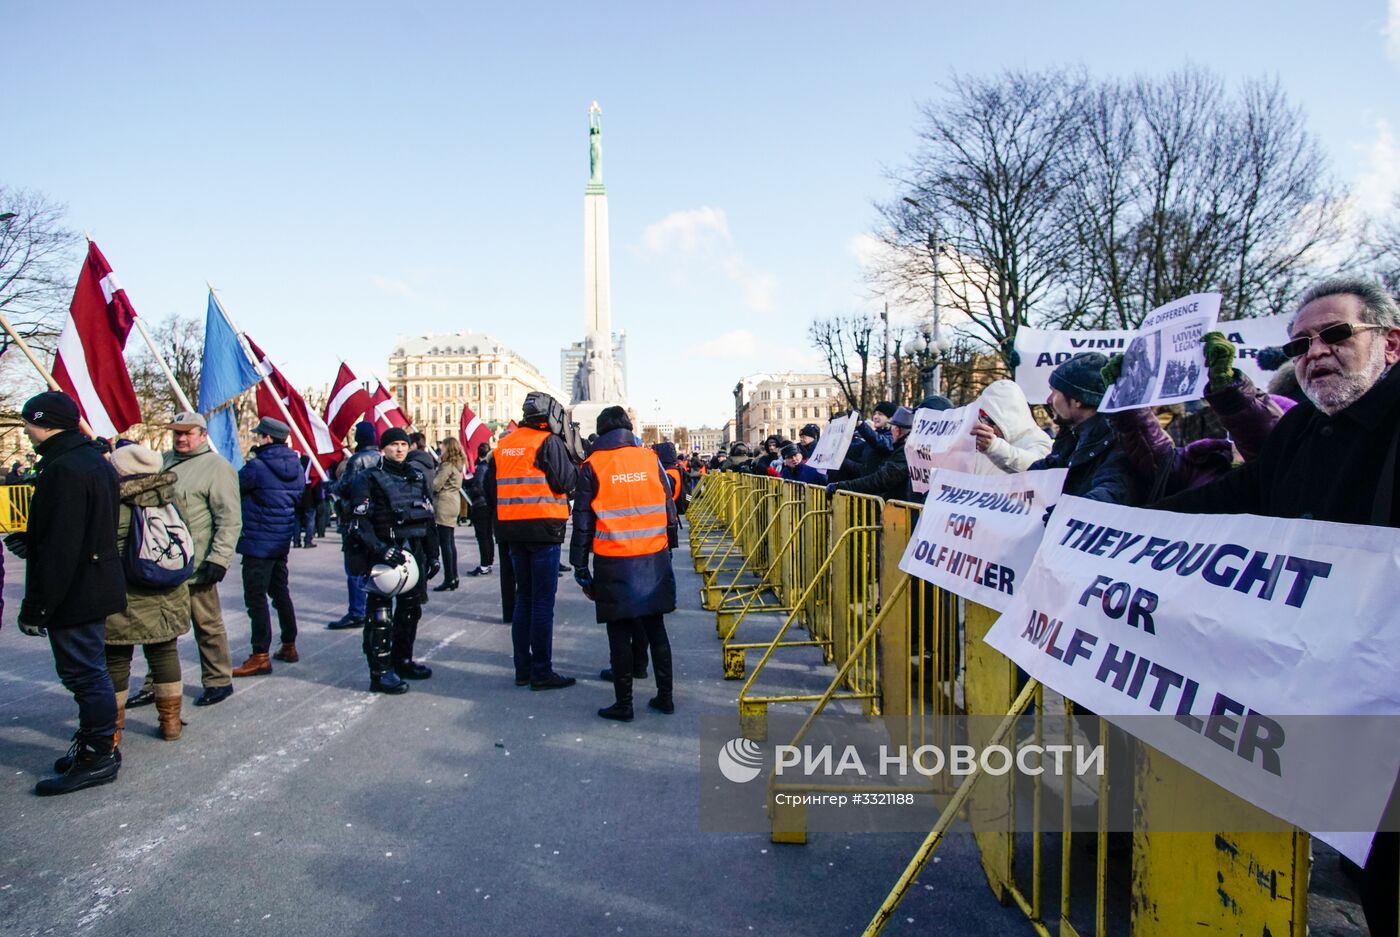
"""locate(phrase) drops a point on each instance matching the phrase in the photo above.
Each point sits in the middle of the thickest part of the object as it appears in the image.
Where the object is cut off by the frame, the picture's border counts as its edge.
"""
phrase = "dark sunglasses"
(1332, 335)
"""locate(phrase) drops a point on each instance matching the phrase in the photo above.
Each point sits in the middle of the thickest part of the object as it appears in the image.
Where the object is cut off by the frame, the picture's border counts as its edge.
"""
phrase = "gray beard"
(1353, 387)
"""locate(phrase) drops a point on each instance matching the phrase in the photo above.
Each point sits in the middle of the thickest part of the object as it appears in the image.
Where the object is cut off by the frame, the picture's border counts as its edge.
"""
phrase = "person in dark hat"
(366, 456)
(390, 517)
(270, 484)
(1085, 442)
(796, 469)
(807, 439)
(891, 479)
(73, 580)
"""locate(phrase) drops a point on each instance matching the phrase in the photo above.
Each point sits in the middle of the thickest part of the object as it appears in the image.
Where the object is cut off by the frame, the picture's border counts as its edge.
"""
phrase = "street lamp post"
(934, 342)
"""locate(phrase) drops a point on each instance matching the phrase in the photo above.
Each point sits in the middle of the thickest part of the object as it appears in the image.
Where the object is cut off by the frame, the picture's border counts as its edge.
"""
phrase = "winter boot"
(255, 666)
(169, 699)
(61, 765)
(389, 683)
(94, 763)
(287, 652)
(622, 709)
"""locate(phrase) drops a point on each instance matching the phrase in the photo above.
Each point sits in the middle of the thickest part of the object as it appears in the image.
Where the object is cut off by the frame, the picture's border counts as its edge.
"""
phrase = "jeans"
(306, 526)
(355, 585)
(507, 577)
(80, 657)
(447, 547)
(536, 567)
(265, 576)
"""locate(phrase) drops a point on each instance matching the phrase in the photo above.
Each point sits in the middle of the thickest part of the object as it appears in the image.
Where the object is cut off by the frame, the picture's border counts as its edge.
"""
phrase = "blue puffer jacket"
(270, 483)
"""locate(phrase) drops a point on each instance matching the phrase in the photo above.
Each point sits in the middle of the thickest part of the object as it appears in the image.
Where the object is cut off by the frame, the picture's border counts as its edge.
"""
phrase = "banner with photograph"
(1225, 626)
(1043, 350)
(830, 450)
(940, 439)
(1163, 363)
(977, 534)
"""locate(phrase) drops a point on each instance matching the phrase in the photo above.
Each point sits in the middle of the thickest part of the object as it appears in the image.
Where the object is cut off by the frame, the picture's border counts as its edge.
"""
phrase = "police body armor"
(403, 509)
(400, 512)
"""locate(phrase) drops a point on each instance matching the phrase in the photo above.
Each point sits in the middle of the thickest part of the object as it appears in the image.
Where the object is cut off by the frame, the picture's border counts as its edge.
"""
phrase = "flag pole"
(267, 382)
(43, 371)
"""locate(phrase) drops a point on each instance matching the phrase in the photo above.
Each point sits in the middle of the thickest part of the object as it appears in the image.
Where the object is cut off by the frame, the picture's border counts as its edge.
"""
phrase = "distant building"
(781, 404)
(432, 376)
(661, 431)
(570, 358)
(707, 439)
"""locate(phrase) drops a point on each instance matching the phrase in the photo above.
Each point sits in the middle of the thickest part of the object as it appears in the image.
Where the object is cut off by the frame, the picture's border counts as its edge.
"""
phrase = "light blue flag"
(225, 373)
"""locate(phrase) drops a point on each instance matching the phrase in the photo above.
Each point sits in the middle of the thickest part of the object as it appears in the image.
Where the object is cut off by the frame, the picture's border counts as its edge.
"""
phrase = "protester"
(155, 616)
(270, 484)
(1007, 434)
(1085, 443)
(207, 486)
(73, 580)
(807, 439)
(529, 481)
(1332, 458)
(738, 459)
(796, 469)
(482, 516)
(390, 521)
(365, 457)
(447, 503)
(1247, 414)
(16, 475)
(768, 457)
(420, 455)
(625, 517)
(891, 479)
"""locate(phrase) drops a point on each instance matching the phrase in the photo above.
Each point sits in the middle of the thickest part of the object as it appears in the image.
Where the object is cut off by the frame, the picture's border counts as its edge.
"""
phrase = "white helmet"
(394, 580)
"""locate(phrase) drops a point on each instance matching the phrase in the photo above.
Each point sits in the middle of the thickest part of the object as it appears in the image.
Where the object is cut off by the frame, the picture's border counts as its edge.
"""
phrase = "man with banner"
(1085, 443)
(891, 479)
(1333, 458)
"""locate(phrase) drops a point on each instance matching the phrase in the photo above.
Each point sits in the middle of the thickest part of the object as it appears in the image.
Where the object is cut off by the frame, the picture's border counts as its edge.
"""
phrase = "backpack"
(159, 549)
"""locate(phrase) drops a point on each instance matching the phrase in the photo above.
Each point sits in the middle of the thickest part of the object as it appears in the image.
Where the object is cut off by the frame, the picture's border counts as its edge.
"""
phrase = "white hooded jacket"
(1024, 441)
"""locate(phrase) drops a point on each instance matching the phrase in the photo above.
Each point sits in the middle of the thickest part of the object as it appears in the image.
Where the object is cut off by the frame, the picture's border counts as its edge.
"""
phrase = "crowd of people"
(129, 548)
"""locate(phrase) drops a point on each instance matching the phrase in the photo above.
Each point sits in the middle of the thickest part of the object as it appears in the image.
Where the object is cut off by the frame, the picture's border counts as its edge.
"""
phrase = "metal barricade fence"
(14, 508)
(912, 654)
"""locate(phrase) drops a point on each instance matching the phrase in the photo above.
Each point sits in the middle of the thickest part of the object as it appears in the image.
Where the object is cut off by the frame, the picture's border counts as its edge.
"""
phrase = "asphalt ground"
(306, 805)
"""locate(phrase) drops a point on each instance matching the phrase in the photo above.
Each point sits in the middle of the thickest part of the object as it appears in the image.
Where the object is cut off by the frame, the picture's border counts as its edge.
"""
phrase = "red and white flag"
(348, 400)
(472, 433)
(384, 410)
(89, 365)
(308, 421)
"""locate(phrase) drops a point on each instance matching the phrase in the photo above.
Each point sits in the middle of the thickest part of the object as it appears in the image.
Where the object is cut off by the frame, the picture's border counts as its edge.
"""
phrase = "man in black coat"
(625, 517)
(73, 580)
(1333, 458)
(1085, 443)
(890, 479)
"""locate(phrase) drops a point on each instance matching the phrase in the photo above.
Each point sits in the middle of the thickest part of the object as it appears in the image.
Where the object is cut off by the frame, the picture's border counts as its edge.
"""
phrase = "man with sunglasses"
(1333, 458)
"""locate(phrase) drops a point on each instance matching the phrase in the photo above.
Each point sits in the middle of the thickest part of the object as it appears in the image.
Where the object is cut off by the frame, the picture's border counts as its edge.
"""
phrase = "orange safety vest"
(704, 469)
(522, 493)
(675, 474)
(630, 504)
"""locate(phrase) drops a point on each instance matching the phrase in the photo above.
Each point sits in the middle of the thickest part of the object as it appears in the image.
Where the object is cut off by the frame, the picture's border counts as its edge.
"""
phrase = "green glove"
(1110, 371)
(1220, 359)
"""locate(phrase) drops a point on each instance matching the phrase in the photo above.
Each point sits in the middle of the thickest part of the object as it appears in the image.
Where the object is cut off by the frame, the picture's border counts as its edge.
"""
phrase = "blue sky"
(347, 172)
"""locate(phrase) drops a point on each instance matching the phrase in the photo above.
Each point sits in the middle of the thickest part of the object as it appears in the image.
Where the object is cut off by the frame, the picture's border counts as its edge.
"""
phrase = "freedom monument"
(598, 383)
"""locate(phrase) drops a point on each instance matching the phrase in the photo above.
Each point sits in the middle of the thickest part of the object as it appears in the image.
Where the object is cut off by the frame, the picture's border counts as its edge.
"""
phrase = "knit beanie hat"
(1079, 378)
(392, 435)
(611, 418)
(365, 433)
(135, 460)
(886, 407)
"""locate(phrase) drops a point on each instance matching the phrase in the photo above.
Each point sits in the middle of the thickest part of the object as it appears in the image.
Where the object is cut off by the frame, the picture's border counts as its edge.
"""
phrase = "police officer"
(391, 518)
(365, 457)
(625, 516)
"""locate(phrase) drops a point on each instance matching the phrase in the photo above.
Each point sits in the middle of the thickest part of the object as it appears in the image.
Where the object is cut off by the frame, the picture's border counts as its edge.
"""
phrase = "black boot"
(607, 675)
(389, 683)
(622, 709)
(412, 670)
(661, 665)
(93, 763)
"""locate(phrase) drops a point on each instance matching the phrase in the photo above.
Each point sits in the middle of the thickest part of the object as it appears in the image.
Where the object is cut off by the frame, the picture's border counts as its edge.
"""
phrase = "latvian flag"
(472, 433)
(348, 400)
(89, 365)
(384, 411)
(313, 428)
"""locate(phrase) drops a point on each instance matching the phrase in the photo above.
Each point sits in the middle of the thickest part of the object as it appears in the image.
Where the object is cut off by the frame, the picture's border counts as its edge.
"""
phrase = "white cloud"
(701, 236)
(394, 287)
(1391, 31)
(731, 346)
(1379, 182)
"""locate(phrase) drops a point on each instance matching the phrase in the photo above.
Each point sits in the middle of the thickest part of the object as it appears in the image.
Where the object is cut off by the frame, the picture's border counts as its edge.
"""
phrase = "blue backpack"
(159, 549)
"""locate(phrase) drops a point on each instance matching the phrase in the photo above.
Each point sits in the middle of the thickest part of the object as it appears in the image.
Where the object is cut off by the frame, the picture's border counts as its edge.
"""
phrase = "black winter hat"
(392, 435)
(666, 452)
(886, 407)
(53, 409)
(789, 451)
(612, 418)
(366, 434)
(738, 450)
(812, 430)
(934, 402)
(1080, 378)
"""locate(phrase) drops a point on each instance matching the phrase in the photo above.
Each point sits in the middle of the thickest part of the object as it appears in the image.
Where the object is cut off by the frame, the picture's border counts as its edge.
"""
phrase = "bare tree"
(1384, 249)
(843, 340)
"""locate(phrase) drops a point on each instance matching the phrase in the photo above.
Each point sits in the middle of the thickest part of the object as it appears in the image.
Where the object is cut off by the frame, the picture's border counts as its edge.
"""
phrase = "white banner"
(977, 534)
(830, 450)
(1163, 363)
(940, 439)
(1225, 625)
(1044, 350)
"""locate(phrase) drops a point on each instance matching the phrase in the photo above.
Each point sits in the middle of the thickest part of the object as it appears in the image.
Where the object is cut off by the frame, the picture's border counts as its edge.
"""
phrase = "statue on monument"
(595, 145)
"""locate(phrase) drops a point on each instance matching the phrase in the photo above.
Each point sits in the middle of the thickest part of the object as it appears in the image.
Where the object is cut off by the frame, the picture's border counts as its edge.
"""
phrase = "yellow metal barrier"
(14, 507)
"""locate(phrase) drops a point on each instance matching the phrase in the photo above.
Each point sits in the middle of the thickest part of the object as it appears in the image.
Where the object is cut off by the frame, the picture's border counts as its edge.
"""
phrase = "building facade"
(707, 440)
(781, 404)
(432, 376)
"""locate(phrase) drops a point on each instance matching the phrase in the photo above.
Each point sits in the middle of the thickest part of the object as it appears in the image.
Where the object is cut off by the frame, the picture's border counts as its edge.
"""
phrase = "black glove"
(394, 556)
(584, 579)
(210, 572)
(17, 545)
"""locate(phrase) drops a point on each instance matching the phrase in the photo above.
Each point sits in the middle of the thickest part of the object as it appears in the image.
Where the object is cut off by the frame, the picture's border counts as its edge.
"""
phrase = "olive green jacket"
(208, 487)
(151, 615)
